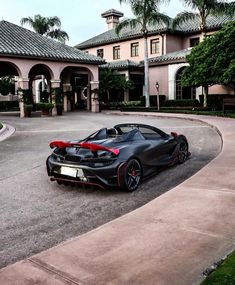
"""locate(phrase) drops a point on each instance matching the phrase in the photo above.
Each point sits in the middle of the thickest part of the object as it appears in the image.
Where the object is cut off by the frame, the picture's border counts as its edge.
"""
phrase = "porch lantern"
(157, 85)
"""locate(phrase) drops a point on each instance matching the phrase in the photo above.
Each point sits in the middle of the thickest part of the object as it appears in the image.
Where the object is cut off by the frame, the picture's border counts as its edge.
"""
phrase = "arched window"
(183, 92)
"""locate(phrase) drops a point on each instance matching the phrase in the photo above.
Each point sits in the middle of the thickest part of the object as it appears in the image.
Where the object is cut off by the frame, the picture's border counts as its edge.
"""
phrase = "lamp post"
(158, 101)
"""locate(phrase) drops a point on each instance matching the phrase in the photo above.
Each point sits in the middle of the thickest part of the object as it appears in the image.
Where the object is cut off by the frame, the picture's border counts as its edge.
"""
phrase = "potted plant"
(26, 101)
(45, 107)
(59, 108)
(28, 109)
(59, 100)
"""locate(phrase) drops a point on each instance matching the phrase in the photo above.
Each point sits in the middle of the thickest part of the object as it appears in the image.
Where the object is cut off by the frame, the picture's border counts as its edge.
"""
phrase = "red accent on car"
(59, 144)
(96, 147)
(174, 134)
(90, 146)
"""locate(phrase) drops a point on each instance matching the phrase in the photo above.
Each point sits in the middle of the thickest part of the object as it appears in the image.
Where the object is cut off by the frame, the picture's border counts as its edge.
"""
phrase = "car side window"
(150, 134)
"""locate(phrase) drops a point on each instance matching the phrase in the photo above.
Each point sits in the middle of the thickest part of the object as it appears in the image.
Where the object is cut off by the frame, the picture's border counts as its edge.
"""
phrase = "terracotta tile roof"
(20, 42)
(110, 36)
(112, 12)
(176, 55)
(190, 26)
(212, 22)
(120, 64)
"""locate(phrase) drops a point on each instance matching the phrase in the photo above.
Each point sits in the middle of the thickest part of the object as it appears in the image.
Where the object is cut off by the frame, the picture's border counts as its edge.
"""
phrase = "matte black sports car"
(120, 156)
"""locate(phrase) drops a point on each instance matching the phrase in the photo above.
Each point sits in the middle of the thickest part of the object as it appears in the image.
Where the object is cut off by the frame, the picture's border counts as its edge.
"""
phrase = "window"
(194, 42)
(116, 52)
(183, 93)
(155, 46)
(134, 49)
(100, 52)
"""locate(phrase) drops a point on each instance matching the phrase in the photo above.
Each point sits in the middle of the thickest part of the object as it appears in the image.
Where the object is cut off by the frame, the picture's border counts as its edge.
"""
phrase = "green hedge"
(9, 106)
(215, 101)
(181, 103)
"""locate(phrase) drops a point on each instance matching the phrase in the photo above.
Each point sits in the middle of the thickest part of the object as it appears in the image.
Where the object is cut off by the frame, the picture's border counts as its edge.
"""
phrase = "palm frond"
(159, 18)
(182, 18)
(131, 23)
(27, 21)
(222, 8)
(59, 35)
(54, 21)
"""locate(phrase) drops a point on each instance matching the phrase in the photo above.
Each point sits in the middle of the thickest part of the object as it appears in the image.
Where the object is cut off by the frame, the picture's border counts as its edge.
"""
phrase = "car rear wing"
(91, 146)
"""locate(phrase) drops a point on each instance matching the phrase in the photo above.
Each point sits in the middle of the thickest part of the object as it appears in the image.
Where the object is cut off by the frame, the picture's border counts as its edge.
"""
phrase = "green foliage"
(146, 14)
(181, 103)
(44, 96)
(7, 85)
(44, 106)
(203, 8)
(58, 96)
(9, 106)
(111, 80)
(27, 96)
(213, 60)
(48, 26)
(28, 107)
(224, 275)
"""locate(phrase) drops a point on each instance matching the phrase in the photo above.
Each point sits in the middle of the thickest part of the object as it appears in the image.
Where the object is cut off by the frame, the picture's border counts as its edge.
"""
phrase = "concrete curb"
(6, 132)
(3, 129)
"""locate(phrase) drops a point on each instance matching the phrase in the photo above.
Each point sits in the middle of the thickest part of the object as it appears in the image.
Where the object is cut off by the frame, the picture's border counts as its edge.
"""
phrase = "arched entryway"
(183, 93)
(75, 82)
(9, 74)
(40, 76)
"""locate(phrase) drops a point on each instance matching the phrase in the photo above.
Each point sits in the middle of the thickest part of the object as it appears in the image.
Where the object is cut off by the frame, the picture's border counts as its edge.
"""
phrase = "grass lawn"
(224, 274)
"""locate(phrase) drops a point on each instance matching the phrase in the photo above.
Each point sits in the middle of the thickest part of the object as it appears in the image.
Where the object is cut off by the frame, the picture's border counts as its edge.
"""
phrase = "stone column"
(54, 84)
(23, 83)
(66, 88)
(95, 96)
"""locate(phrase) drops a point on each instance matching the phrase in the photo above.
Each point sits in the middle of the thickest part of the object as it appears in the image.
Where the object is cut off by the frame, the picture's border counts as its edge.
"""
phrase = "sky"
(81, 19)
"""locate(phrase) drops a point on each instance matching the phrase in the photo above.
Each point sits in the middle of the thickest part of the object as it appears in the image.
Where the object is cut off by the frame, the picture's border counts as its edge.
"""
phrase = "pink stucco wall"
(159, 74)
(173, 43)
(23, 67)
(125, 49)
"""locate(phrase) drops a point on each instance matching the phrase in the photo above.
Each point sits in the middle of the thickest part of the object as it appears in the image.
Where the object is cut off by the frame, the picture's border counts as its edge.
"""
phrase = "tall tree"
(146, 13)
(201, 10)
(47, 26)
(212, 61)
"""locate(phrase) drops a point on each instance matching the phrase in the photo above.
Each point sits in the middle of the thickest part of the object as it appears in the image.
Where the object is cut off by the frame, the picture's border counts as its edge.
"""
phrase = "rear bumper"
(101, 177)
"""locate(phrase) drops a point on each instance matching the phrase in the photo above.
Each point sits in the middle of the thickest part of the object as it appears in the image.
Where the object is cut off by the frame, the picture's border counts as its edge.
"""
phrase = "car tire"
(131, 176)
(183, 151)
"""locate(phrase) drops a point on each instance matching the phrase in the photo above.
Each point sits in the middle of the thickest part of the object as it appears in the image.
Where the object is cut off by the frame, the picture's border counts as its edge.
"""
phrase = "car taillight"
(174, 134)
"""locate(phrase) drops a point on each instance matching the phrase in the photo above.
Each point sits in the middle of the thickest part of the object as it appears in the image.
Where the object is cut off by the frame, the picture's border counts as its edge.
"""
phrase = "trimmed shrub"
(215, 101)
(181, 103)
(9, 106)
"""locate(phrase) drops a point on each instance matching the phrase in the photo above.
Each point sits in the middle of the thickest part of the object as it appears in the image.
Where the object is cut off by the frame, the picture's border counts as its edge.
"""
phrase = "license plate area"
(72, 172)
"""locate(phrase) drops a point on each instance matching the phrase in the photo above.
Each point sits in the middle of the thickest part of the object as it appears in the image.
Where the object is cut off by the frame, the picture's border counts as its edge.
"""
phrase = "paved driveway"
(36, 214)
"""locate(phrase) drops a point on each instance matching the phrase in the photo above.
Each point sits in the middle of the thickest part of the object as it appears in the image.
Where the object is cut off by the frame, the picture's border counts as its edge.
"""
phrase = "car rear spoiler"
(91, 146)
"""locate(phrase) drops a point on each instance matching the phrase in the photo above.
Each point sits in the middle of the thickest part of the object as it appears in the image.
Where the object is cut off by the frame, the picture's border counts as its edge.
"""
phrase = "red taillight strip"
(91, 146)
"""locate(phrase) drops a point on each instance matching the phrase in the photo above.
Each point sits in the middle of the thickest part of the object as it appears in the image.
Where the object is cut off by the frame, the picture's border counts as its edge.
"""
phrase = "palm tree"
(146, 13)
(203, 9)
(47, 26)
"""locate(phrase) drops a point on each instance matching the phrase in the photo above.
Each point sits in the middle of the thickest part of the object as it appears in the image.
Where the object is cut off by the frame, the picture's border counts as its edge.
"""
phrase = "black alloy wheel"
(183, 151)
(132, 175)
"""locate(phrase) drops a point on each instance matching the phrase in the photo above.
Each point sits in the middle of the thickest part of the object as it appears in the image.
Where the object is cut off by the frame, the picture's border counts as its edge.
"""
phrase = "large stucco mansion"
(167, 51)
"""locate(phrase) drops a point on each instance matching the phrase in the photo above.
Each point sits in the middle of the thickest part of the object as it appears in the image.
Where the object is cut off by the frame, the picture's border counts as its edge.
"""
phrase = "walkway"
(169, 241)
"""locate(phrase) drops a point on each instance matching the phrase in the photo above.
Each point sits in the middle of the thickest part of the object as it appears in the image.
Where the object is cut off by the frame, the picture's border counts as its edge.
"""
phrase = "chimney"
(112, 18)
